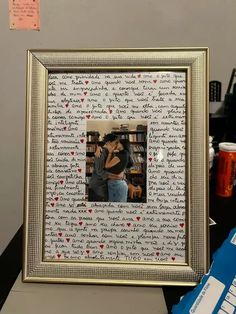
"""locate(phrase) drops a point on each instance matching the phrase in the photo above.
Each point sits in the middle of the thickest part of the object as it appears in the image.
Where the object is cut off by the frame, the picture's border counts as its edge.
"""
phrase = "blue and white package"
(216, 293)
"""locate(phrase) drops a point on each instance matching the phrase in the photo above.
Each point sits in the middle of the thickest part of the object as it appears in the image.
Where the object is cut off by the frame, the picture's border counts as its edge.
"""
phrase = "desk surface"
(37, 298)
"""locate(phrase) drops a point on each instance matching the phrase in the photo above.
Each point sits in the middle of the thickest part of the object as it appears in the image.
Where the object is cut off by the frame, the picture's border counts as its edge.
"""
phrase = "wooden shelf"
(129, 132)
(90, 153)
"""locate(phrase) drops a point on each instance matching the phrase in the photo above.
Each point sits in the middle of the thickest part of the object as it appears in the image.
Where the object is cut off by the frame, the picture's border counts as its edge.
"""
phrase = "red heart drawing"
(86, 82)
(128, 224)
(80, 223)
(56, 198)
(138, 218)
(68, 239)
(181, 225)
(82, 99)
(61, 181)
(52, 204)
(173, 258)
(81, 140)
(58, 255)
(79, 169)
(85, 93)
(88, 116)
(150, 158)
(87, 251)
(67, 105)
(90, 210)
(72, 153)
(157, 253)
(101, 246)
(64, 128)
(154, 81)
(60, 234)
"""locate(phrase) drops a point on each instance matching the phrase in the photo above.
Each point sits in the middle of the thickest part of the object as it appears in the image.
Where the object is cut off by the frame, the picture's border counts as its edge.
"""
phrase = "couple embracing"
(108, 183)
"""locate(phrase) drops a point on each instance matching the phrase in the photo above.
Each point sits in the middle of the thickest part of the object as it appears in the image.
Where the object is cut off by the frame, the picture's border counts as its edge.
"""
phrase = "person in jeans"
(117, 163)
(97, 191)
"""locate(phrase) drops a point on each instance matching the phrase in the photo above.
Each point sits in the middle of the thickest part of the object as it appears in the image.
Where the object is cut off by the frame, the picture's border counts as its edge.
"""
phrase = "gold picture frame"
(165, 235)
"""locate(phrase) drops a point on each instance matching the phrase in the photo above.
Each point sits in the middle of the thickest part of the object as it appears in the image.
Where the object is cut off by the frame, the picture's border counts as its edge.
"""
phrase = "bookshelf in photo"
(93, 139)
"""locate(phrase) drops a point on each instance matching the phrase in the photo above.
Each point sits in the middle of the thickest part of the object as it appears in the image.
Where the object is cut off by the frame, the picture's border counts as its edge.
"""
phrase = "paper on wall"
(24, 14)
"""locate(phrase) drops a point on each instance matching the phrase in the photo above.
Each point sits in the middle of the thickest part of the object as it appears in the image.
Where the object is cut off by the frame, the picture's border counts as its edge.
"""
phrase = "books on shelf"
(124, 127)
(93, 136)
(137, 148)
(90, 148)
(89, 160)
(138, 158)
(137, 168)
(89, 164)
(87, 179)
(124, 136)
(137, 134)
(132, 137)
(137, 137)
(89, 168)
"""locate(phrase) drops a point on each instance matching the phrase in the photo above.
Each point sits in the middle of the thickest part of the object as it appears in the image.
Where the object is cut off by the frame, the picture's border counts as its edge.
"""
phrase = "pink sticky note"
(24, 14)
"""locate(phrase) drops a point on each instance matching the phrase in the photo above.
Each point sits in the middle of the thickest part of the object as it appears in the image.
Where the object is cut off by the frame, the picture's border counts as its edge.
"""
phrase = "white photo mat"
(150, 232)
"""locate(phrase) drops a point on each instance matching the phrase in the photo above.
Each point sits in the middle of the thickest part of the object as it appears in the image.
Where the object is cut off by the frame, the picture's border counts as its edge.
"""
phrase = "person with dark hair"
(117, 163)
(97, 191)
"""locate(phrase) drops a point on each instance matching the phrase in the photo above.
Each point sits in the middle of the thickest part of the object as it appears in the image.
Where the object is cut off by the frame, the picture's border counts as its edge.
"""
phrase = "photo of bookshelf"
(135, 134)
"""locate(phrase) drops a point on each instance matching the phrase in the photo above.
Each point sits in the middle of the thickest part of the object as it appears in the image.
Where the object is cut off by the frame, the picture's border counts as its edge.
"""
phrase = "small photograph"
(116, 155)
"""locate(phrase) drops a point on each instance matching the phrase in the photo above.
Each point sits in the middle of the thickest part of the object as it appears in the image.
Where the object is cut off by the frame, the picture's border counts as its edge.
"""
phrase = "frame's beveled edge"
(35, 106)
(124, 49)
(107, 282)
(202, 67)
(54, 59)
(63, 273)
(26, 164)
(207, 170)
(39, 56)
